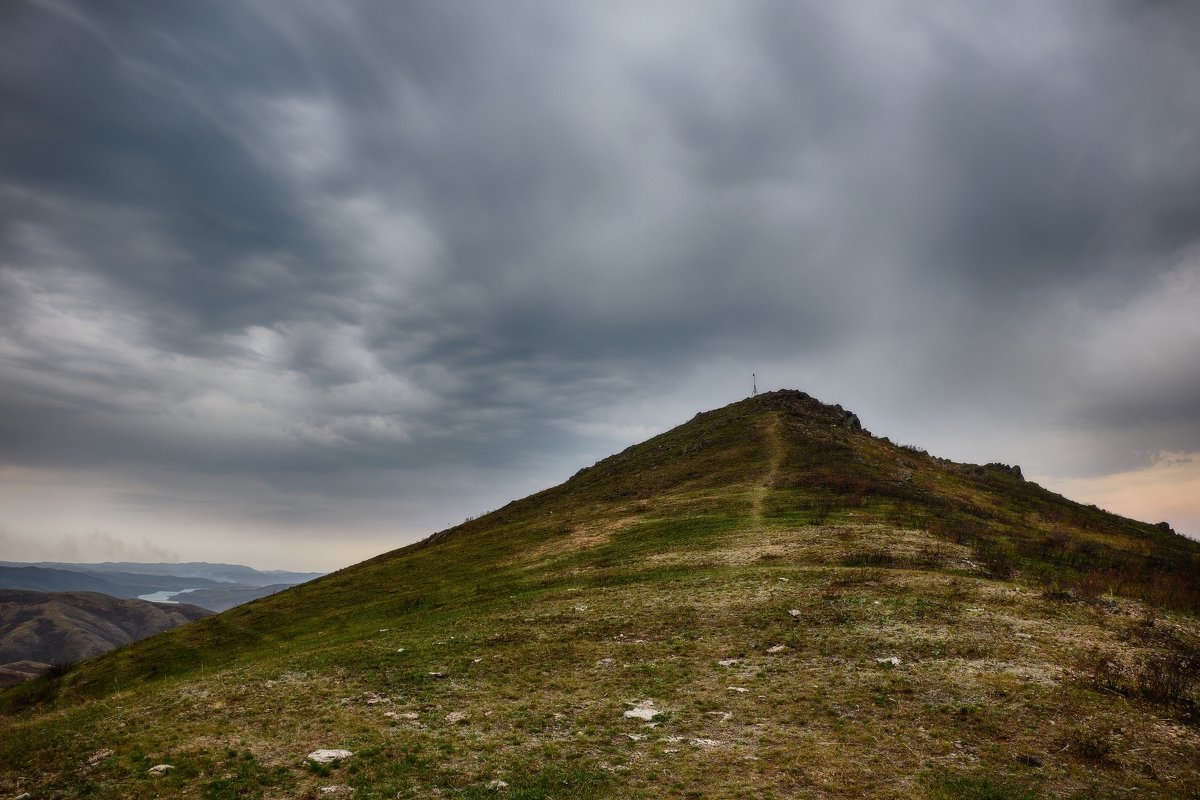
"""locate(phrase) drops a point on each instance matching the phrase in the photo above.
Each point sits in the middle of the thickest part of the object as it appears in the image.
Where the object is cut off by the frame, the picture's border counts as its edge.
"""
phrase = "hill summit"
(765, 601)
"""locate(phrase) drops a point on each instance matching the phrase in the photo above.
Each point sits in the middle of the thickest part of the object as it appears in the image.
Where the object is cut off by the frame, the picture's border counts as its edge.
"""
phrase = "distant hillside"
(216, 589)
(767, 601)
(219, 573)
(117, 584)
(226, 596)
(59, 628)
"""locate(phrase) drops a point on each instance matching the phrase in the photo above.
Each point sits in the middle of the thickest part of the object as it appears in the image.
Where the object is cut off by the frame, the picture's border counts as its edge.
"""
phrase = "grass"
(750, 573)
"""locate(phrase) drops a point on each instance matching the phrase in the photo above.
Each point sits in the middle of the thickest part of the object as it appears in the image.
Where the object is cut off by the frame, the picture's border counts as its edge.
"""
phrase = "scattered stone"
(606, 662)
(495, 784)
(738, 689)
(890, 661)
(795, 612)
(724, 715)
(670, 751)
(374, 698)
(402, 714)
(581, 609)
(328, 756)
(160, 769)
(636, 737)
(98, 756)
(706, 743)
(24, 796)
(437, 674)
(779, 648)
(784, 580)
(1023, 635)
(383, 630)
(727, 662)
(400, 650)
(643, 710)
(455, 717)
(336, 789)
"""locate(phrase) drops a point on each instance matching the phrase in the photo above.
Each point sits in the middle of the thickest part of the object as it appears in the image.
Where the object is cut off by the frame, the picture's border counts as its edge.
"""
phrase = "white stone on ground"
(160, 769)
(892, 660)
(455, 717)
(643, 710)
(738, 689)
(326, 756)
(779, 648)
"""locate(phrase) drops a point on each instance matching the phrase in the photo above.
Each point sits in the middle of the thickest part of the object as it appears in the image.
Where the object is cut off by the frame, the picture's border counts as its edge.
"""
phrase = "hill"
(216, 587)
(117, 584)
(211, 573)
(766, 601)
(43, 629)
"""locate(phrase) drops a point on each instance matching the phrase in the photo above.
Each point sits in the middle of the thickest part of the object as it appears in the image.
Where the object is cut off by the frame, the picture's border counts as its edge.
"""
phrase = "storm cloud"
(342, 274)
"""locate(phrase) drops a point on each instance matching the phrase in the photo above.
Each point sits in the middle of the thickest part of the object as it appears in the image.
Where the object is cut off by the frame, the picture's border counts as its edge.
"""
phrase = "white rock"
(636, 737)
(779, 648)
(455, 717)
(795, 612)
(706, 742)
(326, 756)
(496, 784)
(727, 662)
(334, 789)
(892, 660)
(738, 689)
(160, 769)
(402, 714)
(98, 756)
(643, 710)
(437, 674)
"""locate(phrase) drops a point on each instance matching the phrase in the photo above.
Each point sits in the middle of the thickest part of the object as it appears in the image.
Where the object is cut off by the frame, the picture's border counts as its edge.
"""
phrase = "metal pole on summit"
(754, 385)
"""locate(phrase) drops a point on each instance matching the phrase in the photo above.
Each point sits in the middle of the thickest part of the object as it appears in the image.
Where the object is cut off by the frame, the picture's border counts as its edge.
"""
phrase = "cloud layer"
(307, 263)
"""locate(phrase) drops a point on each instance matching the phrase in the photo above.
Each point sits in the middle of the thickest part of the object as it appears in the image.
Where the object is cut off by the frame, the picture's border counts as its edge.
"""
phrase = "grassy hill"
(764, 602)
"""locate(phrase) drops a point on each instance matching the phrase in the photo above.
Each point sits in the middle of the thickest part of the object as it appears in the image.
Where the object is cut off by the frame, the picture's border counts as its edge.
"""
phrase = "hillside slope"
(764, 602)
(57, 628)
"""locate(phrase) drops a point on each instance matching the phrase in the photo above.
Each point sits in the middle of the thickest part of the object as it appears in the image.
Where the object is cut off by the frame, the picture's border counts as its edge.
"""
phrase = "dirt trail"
(772, 430)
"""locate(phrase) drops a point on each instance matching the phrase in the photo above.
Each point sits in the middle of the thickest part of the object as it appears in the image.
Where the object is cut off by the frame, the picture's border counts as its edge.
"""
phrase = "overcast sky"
(294, 283)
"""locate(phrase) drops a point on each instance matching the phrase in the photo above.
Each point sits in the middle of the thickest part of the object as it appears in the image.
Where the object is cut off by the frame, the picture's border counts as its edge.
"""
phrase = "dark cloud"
(345, 248)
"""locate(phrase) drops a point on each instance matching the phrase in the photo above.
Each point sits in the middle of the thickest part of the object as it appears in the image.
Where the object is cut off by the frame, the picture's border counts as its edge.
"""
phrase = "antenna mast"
(754, 384)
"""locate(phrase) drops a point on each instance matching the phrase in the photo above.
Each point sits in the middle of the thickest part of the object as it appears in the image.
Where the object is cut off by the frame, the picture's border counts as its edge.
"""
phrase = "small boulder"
(455, 717)
(328, 756)
(160, 769)
(643, 710)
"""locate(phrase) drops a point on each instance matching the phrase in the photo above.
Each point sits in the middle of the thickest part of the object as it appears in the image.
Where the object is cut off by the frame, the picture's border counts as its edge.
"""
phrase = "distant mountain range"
(216, 587)
(218, 573)
(39, 630)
